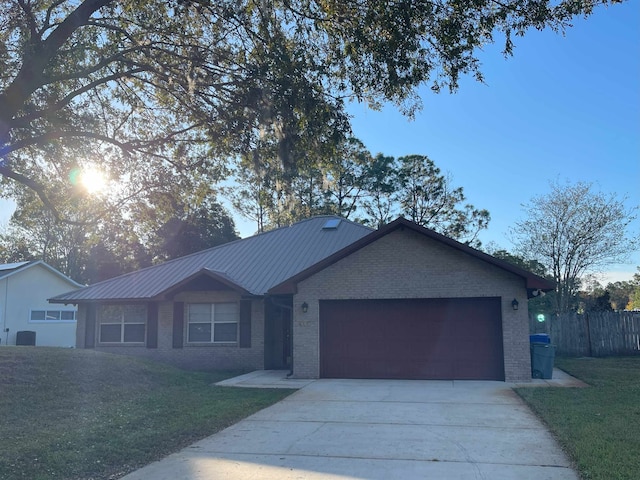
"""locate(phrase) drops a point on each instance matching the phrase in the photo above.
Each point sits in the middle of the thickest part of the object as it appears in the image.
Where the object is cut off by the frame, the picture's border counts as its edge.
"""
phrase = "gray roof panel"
(12, 266)
(254, 264)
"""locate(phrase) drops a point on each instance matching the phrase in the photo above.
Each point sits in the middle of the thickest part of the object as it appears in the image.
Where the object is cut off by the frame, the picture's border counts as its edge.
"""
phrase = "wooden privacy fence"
(594, 334)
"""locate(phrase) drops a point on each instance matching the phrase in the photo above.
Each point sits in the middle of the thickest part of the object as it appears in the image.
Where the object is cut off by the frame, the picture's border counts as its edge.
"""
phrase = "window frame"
(47, 310)
(122, 323)
(213, 322)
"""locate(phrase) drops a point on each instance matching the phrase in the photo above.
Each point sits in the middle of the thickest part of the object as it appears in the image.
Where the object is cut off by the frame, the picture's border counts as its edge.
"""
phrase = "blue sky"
(562, 108)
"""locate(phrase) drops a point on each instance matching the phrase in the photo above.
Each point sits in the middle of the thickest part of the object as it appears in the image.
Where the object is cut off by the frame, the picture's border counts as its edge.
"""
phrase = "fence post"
(586, 319)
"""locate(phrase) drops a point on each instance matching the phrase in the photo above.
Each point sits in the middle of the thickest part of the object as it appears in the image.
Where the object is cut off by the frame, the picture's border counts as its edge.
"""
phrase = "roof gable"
(533, 282)
(204, 279)
(10, 269)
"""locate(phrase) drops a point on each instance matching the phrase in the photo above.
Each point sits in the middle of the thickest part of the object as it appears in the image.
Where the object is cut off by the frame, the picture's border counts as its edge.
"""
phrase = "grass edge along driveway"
(598, 426)
(82, 414)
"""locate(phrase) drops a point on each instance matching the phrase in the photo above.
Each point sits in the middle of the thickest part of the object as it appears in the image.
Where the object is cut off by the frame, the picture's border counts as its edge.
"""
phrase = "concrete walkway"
(279, 379)
(266, 379)
(377, 429)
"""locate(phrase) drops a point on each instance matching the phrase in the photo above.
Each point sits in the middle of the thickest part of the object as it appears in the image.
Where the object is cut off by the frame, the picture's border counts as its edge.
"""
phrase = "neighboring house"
(325, 297)
(25, 314)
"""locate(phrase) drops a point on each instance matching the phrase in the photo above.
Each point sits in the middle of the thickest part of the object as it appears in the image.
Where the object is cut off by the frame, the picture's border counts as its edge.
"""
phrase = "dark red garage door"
(413, 339)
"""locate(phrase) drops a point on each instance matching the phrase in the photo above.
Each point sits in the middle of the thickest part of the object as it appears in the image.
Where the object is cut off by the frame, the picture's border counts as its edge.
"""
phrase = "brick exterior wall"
(406, 264)
(192, 357)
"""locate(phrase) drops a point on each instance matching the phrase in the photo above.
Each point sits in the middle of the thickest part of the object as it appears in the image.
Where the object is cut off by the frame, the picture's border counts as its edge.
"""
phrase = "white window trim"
(121, 323)
(213, 323)
(45, 321)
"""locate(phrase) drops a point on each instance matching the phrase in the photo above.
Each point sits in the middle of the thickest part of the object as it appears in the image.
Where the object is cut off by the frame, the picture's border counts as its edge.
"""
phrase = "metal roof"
(5, 267)
(254, 264)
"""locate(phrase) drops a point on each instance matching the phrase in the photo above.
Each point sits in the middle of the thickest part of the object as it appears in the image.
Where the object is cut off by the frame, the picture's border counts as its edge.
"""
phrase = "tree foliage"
(634, 298)
(427, 197)
(352, 183)
(594, 299)
(380, 190)
(617, 296)
(623, 294)
(149, 89)
(574, 230)
(542, 303)
(193, 230)
(119, 242)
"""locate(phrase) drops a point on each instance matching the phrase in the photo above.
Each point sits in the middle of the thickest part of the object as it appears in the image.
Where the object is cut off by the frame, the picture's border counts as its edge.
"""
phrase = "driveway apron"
(378, 429)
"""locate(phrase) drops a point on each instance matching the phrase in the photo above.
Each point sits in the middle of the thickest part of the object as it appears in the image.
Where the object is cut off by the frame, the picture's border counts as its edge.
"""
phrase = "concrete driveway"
(378, 429)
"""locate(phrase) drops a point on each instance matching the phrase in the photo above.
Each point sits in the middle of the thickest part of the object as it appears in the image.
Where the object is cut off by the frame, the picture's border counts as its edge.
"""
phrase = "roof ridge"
(304, 220)
(353, 222)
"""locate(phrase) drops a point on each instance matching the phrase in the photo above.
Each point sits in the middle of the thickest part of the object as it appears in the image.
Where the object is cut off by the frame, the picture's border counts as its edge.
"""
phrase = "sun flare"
(93, 180)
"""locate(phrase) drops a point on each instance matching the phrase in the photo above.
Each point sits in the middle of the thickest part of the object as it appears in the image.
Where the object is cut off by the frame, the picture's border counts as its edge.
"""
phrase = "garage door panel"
(416, 338)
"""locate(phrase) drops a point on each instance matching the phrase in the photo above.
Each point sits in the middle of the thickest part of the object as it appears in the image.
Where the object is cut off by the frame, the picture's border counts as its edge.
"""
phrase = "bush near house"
(598, 426)
(72, 414)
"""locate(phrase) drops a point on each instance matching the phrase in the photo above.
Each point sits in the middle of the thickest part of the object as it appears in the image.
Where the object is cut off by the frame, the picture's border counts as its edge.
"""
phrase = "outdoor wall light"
(514, 304)
(305, 307)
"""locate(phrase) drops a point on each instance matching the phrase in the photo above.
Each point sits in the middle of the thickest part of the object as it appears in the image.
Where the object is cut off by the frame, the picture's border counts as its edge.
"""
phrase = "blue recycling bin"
(539, 338)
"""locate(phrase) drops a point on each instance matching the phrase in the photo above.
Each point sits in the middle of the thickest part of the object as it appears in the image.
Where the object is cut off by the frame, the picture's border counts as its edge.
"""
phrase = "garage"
(444, 338)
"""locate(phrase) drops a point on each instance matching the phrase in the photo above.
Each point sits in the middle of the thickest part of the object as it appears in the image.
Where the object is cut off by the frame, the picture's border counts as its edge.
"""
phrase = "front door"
(278, 329)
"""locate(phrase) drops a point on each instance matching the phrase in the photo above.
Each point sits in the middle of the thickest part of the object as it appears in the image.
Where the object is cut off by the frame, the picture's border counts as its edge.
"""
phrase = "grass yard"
(598, 426)
(81, 414)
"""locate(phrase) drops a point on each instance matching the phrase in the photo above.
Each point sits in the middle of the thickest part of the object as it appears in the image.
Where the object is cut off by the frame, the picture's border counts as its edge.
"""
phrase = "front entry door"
(287, 342)
(278, 339)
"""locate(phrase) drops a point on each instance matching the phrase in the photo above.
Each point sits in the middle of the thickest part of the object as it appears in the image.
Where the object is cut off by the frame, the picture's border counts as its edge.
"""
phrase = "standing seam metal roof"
(255, 263)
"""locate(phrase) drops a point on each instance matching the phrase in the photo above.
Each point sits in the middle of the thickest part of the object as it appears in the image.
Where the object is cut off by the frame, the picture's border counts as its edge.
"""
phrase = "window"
(123, 323)
(45, 316)
(212, 323)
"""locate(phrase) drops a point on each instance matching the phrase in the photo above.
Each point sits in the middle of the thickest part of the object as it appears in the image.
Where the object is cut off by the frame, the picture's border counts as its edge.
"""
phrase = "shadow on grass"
(85, 414)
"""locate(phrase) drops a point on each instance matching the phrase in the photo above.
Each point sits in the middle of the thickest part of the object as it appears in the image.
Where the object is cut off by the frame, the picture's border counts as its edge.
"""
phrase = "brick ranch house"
(325, 297)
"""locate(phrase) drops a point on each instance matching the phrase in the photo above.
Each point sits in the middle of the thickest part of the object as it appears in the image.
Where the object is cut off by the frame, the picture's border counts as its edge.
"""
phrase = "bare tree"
(574, 230)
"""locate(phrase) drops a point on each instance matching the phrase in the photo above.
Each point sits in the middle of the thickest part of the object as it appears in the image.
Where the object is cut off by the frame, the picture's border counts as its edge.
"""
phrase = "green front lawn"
(598, 426)
(79, 414)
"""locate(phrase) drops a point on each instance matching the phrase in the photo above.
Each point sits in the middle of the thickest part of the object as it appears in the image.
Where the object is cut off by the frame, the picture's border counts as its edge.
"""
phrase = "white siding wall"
(28, 290)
